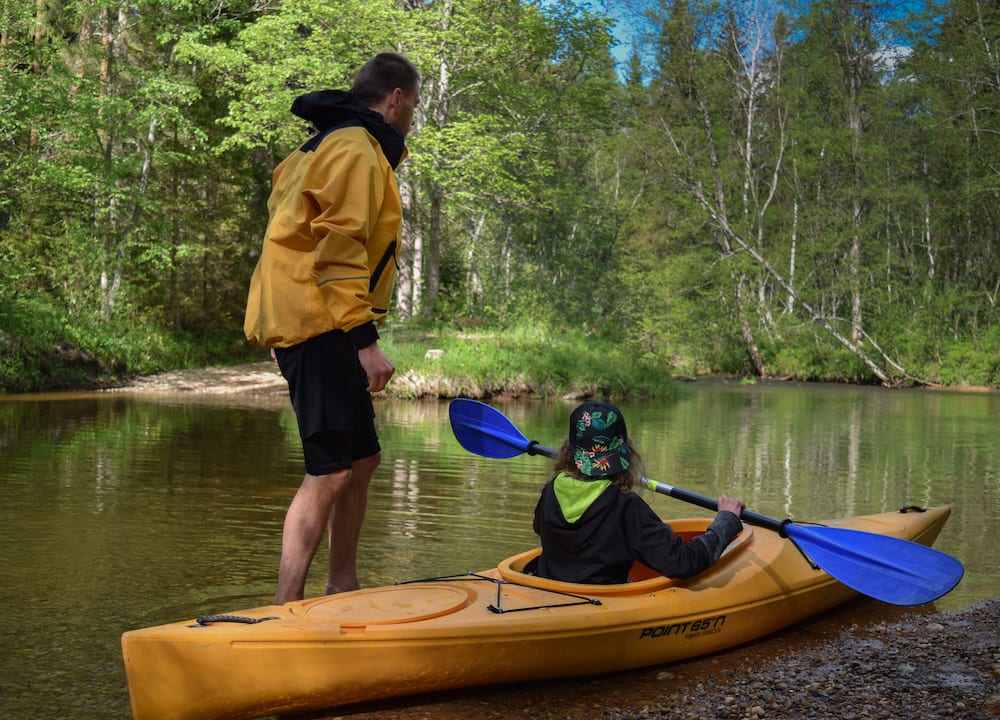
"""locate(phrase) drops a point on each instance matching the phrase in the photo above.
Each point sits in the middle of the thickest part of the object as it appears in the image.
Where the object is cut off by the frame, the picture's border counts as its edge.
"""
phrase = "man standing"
(324, 280)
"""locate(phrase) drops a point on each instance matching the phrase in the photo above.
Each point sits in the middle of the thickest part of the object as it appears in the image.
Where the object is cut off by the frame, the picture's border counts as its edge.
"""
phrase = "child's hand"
(731, 504)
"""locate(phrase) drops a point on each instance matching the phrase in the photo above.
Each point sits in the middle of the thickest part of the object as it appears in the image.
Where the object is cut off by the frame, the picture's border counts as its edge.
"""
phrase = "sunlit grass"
(522, 361)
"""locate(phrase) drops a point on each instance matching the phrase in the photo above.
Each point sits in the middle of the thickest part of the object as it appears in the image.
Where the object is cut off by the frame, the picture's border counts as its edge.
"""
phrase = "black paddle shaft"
(769, 523)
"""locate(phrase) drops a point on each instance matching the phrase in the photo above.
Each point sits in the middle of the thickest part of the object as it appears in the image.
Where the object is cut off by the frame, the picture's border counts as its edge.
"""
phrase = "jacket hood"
(331, 109)
(580, 531)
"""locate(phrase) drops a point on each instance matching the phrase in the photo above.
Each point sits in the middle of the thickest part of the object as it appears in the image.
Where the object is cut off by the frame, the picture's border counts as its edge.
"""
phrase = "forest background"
(792, 189)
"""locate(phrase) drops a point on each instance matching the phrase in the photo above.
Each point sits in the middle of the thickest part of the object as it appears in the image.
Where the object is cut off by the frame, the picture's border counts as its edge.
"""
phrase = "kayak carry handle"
(204, 620)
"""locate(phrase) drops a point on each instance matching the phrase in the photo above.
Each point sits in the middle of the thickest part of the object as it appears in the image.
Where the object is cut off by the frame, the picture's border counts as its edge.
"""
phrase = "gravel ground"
(941, 666)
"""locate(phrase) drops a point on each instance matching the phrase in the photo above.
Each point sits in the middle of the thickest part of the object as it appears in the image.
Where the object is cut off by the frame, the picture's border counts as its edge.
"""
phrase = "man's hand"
(377, 366)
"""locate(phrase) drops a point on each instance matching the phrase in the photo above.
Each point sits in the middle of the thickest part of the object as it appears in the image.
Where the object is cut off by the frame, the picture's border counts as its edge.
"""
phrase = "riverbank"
(935, 666)
(528, 361)
(263, 378)
(434, 362)
(426, 382)
(252, 378)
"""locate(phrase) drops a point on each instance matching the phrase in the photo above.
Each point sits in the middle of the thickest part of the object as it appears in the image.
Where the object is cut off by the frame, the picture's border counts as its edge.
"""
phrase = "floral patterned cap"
(600, 440)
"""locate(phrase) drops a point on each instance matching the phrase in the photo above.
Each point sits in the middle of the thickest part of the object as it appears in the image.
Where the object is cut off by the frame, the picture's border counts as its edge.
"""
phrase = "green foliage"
(764, 178)
(527, 359)
(41, 348)
(968, 363)
(264, 64)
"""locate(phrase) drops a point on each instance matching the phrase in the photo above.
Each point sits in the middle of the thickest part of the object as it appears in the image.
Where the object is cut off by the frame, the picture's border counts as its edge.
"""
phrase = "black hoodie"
(617, 529)
(330, 110)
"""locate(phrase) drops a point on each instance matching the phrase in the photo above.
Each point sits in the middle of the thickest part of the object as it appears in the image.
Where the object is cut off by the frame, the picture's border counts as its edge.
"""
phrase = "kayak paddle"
(886, 568)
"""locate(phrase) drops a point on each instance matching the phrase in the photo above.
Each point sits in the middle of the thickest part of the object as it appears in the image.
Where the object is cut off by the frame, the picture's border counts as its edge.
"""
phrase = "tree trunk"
(857, 214)
(879, 372)
(432, 264)
(410, 257)
(753, 351)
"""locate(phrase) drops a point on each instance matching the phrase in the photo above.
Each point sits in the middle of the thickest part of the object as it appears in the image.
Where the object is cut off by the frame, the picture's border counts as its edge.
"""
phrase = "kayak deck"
(497, 626)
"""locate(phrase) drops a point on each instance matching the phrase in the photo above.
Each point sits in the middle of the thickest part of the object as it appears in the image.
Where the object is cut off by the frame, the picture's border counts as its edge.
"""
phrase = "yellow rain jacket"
(329, 255)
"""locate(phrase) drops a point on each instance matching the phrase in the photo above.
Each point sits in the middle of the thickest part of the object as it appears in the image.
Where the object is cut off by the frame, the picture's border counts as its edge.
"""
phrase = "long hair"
(629, 479)
(385, 72)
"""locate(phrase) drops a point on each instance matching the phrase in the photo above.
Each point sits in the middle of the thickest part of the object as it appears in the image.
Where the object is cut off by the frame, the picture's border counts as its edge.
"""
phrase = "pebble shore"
(937, 666)
(903, 665)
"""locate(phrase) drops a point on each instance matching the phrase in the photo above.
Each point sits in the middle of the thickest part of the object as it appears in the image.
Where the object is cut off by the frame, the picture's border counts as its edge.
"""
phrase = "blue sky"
(629, 23)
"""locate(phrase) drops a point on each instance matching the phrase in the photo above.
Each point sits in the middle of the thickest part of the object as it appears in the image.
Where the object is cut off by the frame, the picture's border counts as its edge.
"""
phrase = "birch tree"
(504, 86)
(718, 110)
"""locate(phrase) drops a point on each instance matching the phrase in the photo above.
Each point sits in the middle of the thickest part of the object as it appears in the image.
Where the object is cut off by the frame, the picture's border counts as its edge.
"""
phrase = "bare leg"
(305, 523)
(346, 519)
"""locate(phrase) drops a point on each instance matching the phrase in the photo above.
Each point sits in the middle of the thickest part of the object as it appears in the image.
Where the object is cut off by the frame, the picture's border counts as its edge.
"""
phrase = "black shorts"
(329, 393)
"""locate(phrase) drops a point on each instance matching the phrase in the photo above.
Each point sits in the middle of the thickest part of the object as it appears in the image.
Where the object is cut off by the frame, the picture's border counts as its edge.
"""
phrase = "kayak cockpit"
(642, 579)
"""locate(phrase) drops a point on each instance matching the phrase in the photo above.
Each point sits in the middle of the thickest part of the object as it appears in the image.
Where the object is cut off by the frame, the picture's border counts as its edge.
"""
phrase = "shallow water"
(126, 510)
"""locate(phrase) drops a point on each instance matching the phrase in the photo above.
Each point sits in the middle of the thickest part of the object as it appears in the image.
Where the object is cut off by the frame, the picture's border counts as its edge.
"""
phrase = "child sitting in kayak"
(593, 528)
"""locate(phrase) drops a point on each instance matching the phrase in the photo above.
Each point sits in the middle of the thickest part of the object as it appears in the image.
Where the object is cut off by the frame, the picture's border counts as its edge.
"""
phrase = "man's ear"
(391, 105)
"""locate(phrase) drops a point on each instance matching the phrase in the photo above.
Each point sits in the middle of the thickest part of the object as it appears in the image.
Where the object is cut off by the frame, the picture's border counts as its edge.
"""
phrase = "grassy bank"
(523, 361)
(42, 348)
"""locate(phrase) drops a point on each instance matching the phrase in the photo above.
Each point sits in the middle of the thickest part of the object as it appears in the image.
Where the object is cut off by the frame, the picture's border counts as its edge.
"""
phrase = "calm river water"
(123, 510)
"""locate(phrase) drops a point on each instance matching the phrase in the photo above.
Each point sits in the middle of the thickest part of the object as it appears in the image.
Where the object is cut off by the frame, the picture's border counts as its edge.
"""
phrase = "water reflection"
(121, 511)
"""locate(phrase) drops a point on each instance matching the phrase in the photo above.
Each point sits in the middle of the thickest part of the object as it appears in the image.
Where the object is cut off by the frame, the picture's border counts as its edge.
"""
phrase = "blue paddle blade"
(886, 568)
(482, 430)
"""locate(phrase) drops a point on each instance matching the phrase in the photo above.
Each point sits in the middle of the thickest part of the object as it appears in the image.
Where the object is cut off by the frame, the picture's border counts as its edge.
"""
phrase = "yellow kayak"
(497, 626)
